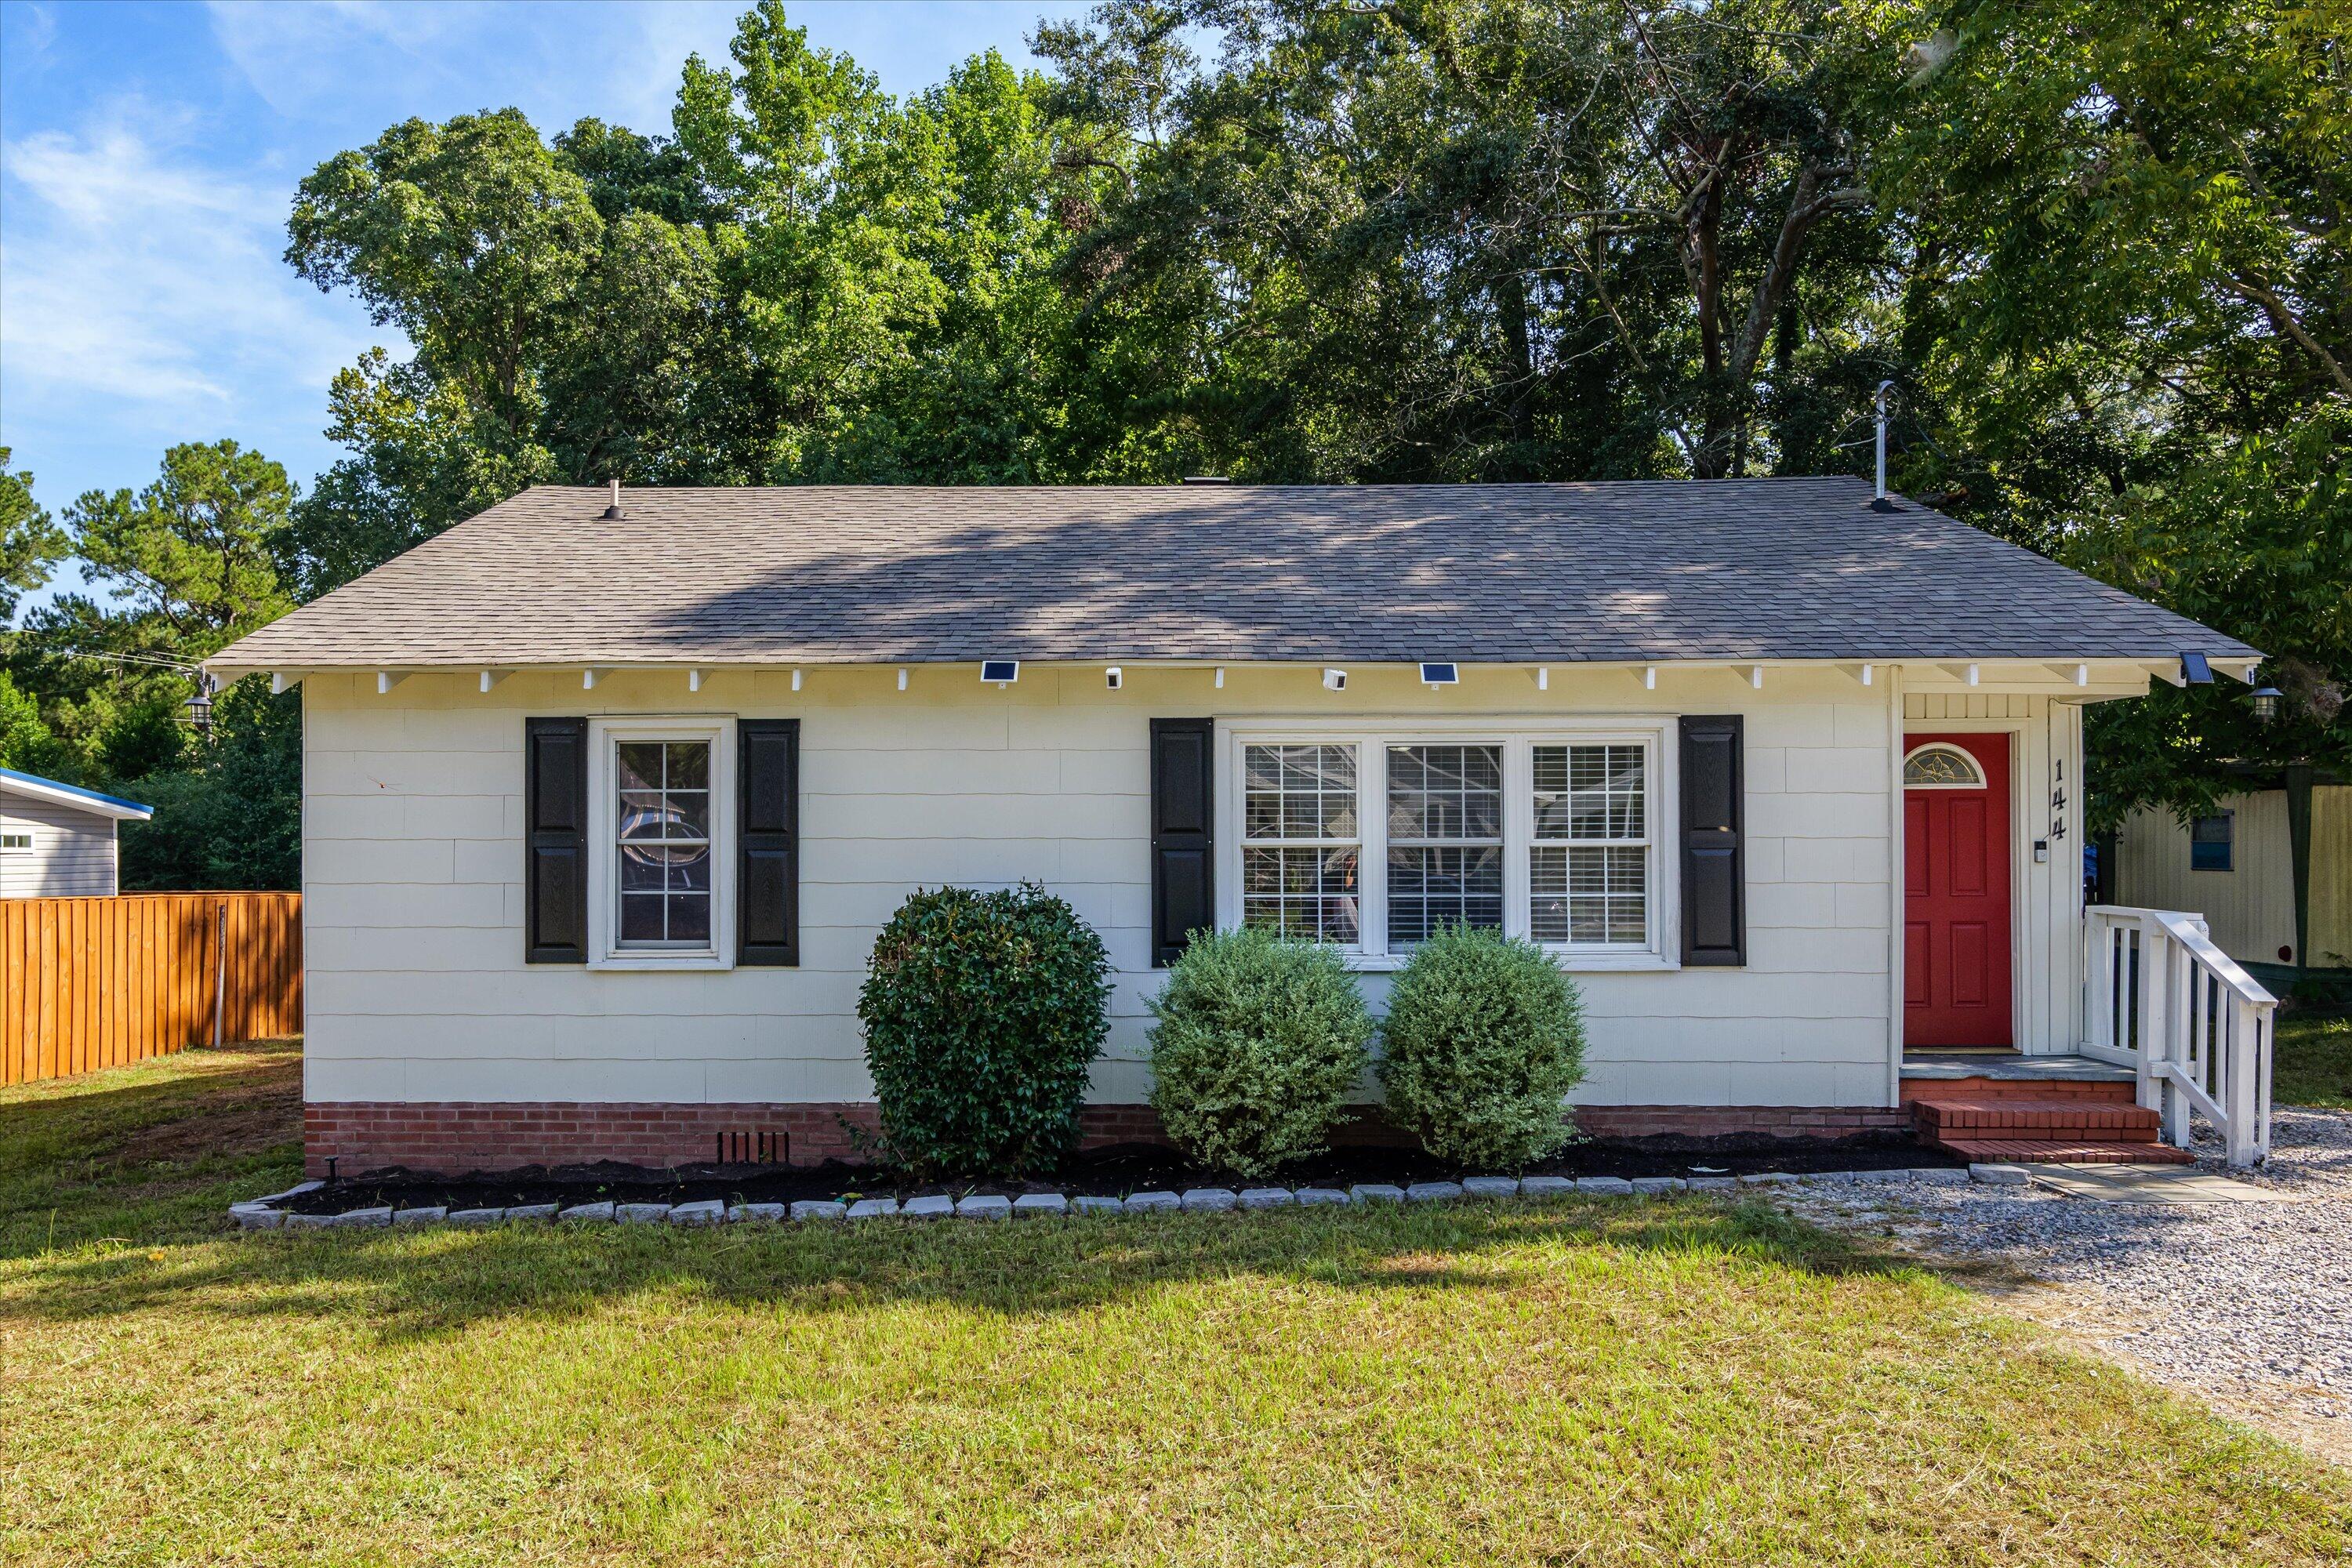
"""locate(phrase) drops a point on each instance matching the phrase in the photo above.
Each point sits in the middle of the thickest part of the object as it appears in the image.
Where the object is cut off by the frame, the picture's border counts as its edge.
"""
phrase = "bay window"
(1373, 839)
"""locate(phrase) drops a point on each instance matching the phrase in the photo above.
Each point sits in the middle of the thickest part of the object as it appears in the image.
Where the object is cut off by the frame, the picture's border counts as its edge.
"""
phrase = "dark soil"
(1112, 1172)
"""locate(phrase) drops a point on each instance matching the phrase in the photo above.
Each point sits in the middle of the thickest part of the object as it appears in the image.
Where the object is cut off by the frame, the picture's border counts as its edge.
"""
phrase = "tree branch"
(1808, 206)
(2285, 319)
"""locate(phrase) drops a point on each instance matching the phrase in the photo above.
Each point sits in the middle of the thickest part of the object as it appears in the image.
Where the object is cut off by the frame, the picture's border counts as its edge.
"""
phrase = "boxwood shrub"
(1483, 1039)
(981, 1014)
(1255, 1045)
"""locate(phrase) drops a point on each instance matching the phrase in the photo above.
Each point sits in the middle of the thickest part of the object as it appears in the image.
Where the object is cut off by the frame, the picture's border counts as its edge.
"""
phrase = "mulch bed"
(1112, 1172)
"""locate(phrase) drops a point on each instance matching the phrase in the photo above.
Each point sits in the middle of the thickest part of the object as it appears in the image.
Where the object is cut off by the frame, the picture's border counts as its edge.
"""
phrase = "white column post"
(1894, 750)
(2242, 1056)
(2153, 1033)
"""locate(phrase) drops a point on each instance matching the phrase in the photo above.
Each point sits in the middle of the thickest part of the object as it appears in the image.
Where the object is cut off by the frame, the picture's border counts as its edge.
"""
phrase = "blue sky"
(149, 154)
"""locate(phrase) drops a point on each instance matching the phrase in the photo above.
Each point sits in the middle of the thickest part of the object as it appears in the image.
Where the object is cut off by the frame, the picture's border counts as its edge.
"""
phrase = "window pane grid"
(1302, 864)
(1588, 865)
(663, 834)
(1446, 839)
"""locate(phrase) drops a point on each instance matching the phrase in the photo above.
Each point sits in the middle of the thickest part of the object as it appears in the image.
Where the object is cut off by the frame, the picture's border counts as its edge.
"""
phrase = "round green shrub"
(1485, 1036)
(1256, 1043)
(982, 1012)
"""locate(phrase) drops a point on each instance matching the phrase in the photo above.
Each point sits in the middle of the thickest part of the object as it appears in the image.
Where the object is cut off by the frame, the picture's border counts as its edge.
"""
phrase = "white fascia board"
(57, 795)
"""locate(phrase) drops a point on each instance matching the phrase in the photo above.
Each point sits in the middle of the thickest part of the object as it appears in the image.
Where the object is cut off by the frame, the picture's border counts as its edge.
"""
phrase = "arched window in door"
(1940, 765)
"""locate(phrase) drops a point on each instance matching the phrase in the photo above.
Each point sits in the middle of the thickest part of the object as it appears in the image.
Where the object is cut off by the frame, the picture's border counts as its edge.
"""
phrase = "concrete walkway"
(2155, 1184)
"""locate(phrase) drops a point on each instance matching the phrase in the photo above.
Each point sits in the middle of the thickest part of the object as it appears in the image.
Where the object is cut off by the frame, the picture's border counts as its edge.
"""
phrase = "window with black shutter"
(768, 886)
(1184, 810)
(555, 872)
(1714, 856)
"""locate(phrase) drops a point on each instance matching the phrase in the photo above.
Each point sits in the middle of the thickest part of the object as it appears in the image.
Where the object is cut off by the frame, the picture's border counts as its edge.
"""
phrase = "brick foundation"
(454, 1138)
(1738, 1121)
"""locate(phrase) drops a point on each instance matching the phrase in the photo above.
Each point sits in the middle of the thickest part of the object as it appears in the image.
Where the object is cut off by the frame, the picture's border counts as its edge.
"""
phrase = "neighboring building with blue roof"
(57, 840)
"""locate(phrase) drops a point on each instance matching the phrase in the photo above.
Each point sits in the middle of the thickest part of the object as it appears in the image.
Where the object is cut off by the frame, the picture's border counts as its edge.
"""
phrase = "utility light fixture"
(1002, 671)
(1114, 676)
(2266, 704)
(1335, 680)
(1445, 674)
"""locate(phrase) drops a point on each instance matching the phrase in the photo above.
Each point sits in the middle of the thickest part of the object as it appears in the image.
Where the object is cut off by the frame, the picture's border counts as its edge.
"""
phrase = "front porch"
(2172, 1029)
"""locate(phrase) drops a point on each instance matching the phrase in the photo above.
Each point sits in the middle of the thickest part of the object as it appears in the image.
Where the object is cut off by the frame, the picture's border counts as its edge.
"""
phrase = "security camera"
(1335, 680)
(1114, 678)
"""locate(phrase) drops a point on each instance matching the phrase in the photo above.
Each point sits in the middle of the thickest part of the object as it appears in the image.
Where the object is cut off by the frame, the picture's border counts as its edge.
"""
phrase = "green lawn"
(1602, 1382)
(2311, 1060)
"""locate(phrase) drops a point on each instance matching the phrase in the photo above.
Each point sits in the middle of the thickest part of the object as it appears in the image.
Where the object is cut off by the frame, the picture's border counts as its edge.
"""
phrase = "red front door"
(1956, 895)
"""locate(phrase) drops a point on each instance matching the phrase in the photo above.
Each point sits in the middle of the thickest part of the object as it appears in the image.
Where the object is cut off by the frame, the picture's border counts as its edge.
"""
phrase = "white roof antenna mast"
(1879, 501)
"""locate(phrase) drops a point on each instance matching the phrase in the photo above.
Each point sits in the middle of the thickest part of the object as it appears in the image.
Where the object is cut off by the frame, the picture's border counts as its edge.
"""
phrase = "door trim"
(2021, 857)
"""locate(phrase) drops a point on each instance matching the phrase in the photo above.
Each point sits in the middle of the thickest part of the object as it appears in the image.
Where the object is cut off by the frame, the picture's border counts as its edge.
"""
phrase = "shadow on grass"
(149, 1151)
(403, 1285)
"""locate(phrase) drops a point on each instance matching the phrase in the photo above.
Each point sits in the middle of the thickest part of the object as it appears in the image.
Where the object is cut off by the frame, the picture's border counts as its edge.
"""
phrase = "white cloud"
(300, 58)
(135, 271)
(38, 29)
(618, 61)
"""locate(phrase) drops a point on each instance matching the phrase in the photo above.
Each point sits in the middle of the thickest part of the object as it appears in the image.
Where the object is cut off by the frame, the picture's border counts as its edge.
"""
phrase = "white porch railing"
(2162, 999)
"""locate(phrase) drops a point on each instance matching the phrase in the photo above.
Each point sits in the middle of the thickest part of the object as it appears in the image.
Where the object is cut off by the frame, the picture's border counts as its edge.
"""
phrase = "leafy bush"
(1258, 1041)
(1485, 1038)
(981, 1013)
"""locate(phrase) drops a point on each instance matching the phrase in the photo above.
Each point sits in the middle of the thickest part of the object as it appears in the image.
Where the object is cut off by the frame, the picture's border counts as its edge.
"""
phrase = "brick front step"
(2062, 1151)
(1949, 1116)
(2117, 1092)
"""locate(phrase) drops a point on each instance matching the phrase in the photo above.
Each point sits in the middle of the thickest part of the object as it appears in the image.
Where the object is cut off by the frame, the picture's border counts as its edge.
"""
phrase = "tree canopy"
(2099, 251)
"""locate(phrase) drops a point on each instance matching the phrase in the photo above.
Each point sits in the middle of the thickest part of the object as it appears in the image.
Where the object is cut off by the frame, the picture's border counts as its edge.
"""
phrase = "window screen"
(1446, 839)
(1588, 865)
(664, 837)
(2210, 841)
(1302, 845)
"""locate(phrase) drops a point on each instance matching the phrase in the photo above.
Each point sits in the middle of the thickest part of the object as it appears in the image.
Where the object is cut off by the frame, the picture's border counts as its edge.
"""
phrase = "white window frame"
(16, 830)
(1372, 737)
(605, 736)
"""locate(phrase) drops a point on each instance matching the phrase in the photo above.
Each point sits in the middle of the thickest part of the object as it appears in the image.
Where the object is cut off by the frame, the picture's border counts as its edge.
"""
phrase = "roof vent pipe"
(614, 513)
(1879, 502)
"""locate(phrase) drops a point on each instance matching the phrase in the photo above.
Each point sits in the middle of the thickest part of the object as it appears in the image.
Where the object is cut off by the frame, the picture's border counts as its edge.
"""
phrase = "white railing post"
(2154, 1034)
(2182, 1014)
(2244, 1141)
(2194, 1026)
(2099, 1028)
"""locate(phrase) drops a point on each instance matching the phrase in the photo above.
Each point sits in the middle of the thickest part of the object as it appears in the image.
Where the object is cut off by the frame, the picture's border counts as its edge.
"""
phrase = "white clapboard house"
(607, 795)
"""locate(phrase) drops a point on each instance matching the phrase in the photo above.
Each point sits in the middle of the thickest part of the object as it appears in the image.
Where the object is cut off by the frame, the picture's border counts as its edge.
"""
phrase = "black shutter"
(768, 884)
(1714, 858)
(555, 838)
(1183, 807)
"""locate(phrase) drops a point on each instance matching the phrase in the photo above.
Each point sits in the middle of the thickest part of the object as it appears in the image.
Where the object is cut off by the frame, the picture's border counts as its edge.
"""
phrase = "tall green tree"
(1487, 238)
(2129, 302)
(31, 542)
(195, 552)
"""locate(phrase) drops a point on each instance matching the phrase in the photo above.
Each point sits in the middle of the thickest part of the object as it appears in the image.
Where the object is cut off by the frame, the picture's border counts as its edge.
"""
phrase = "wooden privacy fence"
(102, 982)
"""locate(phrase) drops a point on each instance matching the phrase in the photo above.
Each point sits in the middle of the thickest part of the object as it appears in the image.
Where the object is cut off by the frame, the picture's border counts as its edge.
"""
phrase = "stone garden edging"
(263, 1214)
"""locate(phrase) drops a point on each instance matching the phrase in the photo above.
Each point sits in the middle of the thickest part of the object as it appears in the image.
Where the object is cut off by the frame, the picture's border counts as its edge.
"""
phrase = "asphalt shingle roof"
(1737, 569)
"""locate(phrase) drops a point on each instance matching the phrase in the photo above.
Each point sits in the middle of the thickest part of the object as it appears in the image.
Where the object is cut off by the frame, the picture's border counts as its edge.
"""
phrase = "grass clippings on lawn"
(1581, 1382)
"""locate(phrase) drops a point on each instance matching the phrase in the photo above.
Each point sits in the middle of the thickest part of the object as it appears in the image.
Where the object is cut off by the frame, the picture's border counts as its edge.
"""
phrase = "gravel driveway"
(2248, 1305)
